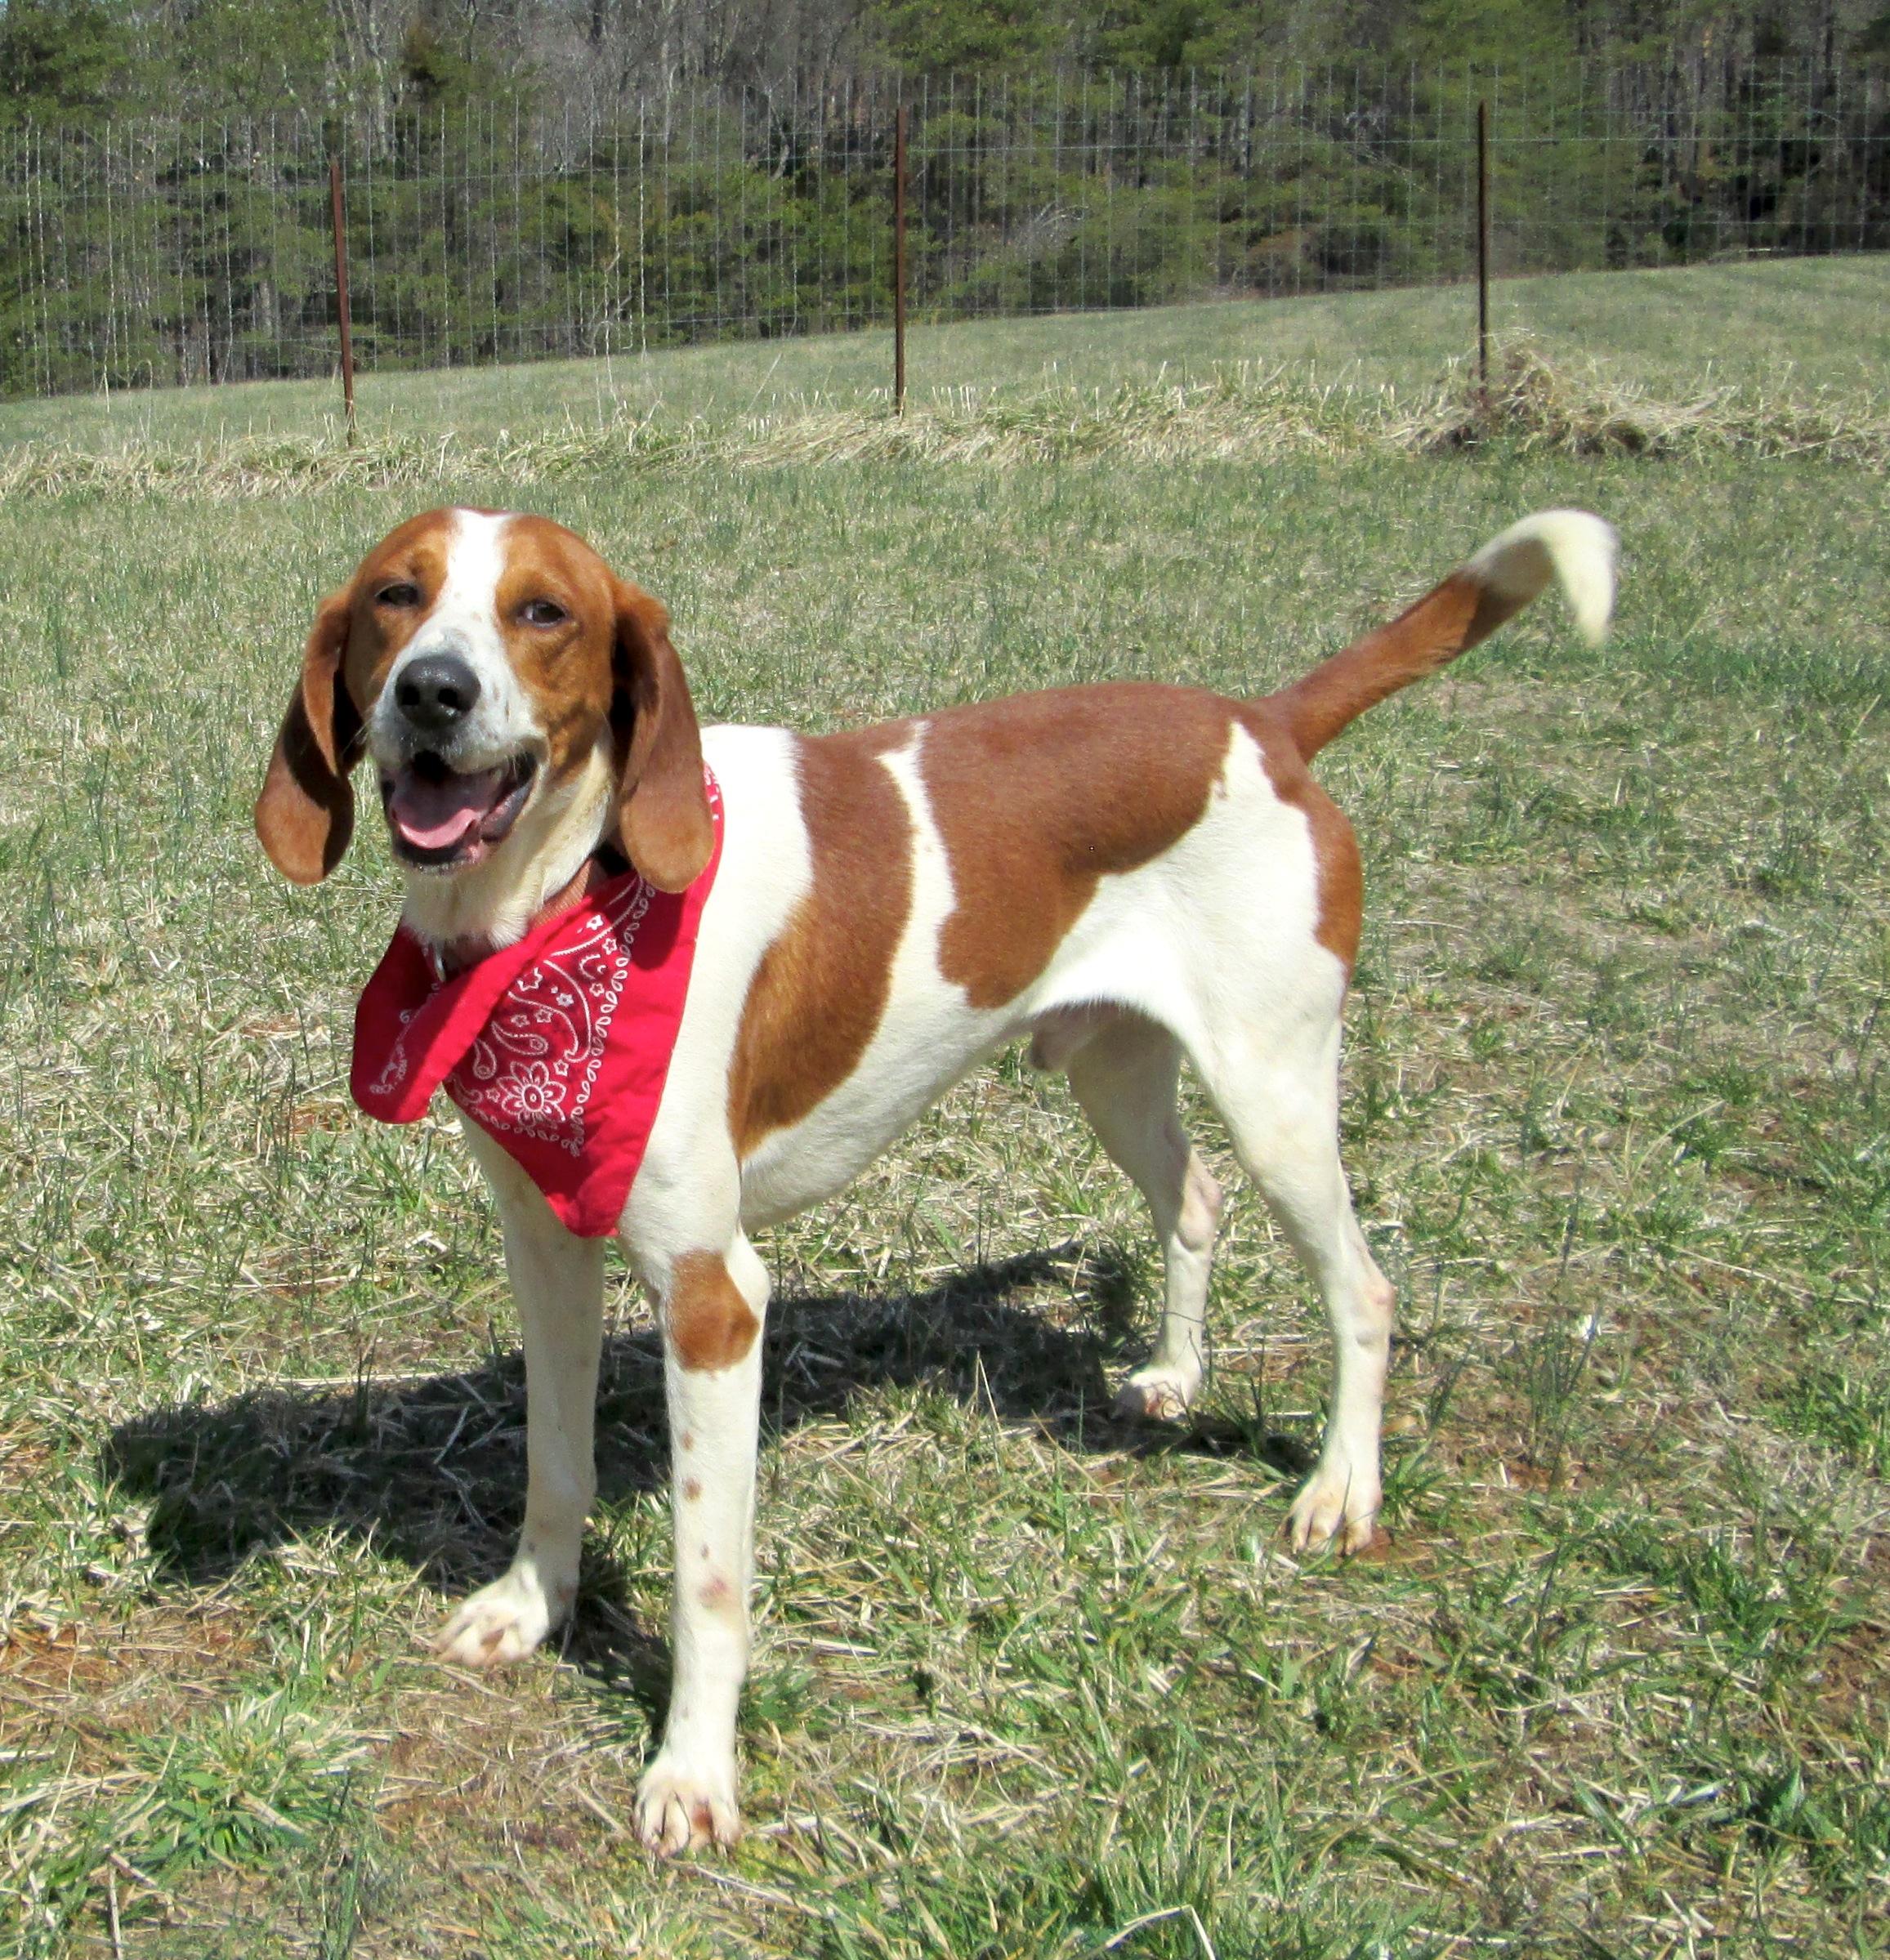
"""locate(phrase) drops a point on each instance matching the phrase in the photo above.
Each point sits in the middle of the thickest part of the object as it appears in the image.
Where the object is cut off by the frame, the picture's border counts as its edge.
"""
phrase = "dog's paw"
(684, 1803)
(1154, 1395)
(502, 1622)
(1337, 1511)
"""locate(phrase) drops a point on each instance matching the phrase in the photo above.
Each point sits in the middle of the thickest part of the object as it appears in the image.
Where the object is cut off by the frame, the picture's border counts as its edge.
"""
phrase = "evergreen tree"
(62, 60)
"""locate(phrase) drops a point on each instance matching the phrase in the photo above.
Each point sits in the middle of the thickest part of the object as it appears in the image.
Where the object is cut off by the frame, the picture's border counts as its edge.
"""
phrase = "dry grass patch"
(1243, 414)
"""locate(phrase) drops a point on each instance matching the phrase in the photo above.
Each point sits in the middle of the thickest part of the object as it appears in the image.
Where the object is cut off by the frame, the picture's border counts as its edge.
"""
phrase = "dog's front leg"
(712, 1303)
(558, 1282)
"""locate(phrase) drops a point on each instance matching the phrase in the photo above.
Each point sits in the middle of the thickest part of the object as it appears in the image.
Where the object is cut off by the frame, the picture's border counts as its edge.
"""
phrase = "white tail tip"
(1573, 547)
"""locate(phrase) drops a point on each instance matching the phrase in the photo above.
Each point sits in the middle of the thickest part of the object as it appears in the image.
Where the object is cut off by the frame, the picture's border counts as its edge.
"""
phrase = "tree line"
(494, 215)
(83, 62)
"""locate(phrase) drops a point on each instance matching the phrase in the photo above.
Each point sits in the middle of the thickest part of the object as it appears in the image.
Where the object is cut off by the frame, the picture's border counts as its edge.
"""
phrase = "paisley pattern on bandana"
(534, 1067)
(557, 1047)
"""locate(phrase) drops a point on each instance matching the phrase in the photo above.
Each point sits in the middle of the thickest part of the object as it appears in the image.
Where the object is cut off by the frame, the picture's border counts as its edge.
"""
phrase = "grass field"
(1026, 1682)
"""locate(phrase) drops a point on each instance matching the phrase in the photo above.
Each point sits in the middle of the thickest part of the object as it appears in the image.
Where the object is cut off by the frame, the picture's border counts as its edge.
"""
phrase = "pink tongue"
(434, 816)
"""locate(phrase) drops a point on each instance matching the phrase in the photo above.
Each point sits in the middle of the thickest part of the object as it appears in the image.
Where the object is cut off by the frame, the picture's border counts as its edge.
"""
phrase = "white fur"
(1578, 550)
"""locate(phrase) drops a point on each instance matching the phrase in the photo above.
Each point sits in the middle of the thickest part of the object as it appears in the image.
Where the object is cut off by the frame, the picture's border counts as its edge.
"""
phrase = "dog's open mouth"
(444, 820)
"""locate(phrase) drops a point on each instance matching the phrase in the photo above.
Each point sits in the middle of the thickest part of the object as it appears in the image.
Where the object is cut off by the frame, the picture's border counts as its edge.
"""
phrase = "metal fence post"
(341, 292)
(898, 261)
(1483, 251)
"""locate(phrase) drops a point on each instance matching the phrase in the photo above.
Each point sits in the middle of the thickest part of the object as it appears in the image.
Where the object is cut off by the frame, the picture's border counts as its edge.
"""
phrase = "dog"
(1125, 874)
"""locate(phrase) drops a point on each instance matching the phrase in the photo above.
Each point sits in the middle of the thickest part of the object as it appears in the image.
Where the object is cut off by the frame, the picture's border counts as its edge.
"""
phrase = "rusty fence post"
(899, 263)
(341, 291)
(1483, 253)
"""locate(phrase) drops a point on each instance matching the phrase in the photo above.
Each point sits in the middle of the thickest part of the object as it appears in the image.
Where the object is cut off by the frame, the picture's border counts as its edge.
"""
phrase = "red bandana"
(558, 1047)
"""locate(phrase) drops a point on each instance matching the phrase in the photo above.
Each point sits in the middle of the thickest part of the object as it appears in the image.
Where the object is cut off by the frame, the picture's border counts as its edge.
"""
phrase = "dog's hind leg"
(1279, 1101)
(1124, 1077)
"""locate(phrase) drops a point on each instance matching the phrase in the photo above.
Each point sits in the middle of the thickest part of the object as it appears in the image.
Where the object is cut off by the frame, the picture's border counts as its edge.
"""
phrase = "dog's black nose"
(436, 691)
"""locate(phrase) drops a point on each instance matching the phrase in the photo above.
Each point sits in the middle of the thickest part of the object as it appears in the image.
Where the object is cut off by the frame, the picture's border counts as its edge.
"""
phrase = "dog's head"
(487, 665)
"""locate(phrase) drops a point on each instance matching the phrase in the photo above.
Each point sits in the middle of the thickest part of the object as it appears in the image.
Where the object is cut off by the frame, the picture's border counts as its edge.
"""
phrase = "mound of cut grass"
(1243, 414)
(1537, 406)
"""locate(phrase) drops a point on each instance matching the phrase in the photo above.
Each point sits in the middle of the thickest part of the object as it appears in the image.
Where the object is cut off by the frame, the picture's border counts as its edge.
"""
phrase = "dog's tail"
(1568, 546)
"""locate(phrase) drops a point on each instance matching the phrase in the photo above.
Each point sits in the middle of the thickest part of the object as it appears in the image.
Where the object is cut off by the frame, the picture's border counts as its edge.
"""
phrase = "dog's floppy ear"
(663, 817)
(306, 814)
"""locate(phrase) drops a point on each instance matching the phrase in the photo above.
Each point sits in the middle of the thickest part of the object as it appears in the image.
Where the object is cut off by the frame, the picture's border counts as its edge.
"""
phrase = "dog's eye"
(401, 592)
(542, 612)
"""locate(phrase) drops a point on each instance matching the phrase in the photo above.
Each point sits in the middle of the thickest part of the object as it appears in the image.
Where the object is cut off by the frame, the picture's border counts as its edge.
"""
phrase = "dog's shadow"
(433, 1468)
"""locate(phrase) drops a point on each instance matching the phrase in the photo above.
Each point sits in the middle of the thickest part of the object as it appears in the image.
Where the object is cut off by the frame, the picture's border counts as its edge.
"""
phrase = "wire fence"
(142, 254)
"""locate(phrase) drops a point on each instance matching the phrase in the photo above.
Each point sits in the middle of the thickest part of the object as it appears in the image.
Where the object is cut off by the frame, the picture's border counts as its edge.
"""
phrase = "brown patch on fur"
(689, 1439)
(1447, 621)
(415, 554)
(717, 1594)
(663, 814)
(305, 816)
(1341, 876)
(1039, 797)
(707, 1322)
(566, 671)
(816, 997)
(691, 1489)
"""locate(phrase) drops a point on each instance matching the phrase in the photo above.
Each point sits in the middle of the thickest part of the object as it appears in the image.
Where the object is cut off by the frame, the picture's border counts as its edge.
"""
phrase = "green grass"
(1026, 1683)
(1746, 326)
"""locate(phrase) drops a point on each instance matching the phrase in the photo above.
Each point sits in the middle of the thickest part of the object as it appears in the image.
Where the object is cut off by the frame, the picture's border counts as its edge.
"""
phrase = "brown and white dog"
(1127, 874)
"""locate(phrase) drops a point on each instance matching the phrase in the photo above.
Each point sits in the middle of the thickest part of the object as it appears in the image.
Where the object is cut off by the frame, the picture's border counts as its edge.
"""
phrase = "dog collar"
(557, 1047)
